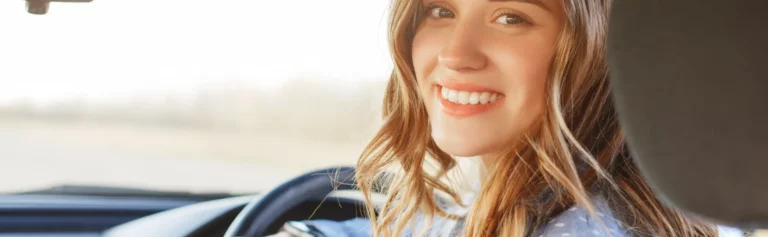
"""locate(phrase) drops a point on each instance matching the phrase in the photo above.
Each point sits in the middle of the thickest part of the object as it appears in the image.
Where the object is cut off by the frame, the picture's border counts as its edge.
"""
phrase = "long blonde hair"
(576, 151)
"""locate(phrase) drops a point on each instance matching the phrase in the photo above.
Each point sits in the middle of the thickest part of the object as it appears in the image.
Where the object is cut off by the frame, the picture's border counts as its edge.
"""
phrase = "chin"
(464, 148)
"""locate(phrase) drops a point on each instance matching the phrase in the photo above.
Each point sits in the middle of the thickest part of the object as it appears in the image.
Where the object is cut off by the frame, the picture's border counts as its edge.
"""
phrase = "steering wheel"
(263, 211)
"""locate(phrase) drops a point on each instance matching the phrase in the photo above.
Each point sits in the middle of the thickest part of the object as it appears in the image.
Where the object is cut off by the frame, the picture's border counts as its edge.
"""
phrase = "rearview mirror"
(40, 7)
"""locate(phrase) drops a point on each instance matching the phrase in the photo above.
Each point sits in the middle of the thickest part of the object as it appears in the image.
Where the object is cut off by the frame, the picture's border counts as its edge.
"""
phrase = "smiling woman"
(521, 85)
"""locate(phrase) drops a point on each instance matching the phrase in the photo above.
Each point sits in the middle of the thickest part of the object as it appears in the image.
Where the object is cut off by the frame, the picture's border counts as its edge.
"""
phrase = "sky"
(121, 48)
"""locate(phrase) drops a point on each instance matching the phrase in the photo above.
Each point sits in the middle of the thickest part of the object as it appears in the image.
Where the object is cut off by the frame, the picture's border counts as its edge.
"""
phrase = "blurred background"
(187, 95)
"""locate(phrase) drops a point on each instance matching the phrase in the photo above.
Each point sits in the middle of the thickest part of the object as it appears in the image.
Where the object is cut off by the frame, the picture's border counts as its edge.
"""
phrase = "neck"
(486, 161)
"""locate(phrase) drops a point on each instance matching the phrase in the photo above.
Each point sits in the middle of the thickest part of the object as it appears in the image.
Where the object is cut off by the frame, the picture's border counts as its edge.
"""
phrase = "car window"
(187, 95)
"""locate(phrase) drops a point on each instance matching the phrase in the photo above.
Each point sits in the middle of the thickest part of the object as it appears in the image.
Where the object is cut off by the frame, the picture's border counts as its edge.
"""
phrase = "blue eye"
(510, 19)
(440, 12)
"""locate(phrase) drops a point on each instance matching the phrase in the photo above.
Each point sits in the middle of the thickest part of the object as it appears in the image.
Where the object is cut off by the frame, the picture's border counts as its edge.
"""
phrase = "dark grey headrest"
(690, 79)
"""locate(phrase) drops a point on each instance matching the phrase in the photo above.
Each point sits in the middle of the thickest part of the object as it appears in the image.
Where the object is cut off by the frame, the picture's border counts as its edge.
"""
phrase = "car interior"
(700, 139)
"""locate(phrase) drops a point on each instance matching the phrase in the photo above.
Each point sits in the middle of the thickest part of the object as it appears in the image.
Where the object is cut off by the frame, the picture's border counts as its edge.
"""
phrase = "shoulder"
(577, 222)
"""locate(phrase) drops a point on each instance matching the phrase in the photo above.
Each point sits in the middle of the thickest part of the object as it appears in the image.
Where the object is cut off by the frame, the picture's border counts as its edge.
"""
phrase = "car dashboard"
(84, 216)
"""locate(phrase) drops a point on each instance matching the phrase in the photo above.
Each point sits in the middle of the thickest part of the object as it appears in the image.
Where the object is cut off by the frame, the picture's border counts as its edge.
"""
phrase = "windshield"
(187, 95)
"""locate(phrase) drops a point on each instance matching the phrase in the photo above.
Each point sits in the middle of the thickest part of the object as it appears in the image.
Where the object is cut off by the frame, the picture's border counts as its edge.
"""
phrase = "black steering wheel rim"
(263, 211)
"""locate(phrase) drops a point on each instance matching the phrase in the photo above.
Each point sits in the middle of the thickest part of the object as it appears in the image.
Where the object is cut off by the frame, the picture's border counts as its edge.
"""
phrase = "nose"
(462, 52)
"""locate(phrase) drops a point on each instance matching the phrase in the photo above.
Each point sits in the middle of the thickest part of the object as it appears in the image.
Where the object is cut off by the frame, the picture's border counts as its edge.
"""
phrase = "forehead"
(549, 5)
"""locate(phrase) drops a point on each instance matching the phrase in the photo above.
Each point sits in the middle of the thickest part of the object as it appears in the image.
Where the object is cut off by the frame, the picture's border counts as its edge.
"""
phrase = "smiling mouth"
(469, 97)
(464, 103)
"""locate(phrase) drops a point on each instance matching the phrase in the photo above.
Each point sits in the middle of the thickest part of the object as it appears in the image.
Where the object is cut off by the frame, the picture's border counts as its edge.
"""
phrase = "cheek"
(426, 48)
(526, 61)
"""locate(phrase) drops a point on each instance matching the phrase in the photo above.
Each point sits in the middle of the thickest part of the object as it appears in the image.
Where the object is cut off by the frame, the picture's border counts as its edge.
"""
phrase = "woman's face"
(482, 66)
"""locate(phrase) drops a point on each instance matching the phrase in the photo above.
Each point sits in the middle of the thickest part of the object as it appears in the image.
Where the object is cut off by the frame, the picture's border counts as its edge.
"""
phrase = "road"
(39, 154)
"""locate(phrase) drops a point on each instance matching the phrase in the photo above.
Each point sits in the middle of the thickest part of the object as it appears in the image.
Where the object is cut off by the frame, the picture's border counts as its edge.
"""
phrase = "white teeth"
(463, 97)
(468, 98)
(485, 97)
(474, 98)
(453, 96)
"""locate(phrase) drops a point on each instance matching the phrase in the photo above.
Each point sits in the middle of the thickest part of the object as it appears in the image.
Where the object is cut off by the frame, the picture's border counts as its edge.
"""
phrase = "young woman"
(523, 86)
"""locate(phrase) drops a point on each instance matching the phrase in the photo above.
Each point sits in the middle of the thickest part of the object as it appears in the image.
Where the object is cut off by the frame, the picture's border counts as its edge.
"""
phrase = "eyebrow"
(534, 2)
